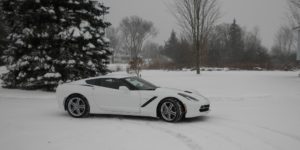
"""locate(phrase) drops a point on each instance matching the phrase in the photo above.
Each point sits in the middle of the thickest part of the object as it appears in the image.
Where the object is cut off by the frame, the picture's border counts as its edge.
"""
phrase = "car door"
(109, 98)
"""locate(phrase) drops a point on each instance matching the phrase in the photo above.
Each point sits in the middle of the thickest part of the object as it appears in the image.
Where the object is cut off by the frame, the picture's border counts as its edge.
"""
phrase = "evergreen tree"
(255, 55)
(180, 51)
(236, 44)
(185, 54)
(171, 47)
(3, 34)
(54, 41)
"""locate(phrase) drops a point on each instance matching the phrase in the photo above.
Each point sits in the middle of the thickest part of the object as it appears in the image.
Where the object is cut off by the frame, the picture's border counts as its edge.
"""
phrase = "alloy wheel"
(76, 106)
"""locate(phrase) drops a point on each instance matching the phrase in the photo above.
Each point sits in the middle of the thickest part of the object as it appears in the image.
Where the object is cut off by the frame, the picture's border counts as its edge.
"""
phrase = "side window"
(124, 83)
(110, 83)
(105, 82)
(93, 82)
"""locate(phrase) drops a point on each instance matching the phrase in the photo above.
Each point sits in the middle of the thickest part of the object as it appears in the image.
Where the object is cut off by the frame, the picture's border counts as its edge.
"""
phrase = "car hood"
(174, 91)
(168, 90)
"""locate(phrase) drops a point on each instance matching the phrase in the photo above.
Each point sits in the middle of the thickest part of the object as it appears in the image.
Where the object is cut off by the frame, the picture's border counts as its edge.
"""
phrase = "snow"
(48, 58)
(3, 70)
(84, 24)
(250, 110)
(75, 31)
(71, 62)
(24, 63)
(99, 7)
(21, 74)
(45, 35)
(90, 63)
(51, 11)
(47, 66)
(82, 11)
(19, 42)
(52, 75)
(62, 20)
(43, 8)
(117, 67)
(105, 39)
(100, 41)
(63, 62)
(101, 52)
(90, 45)
(27, 31)
(87, 35)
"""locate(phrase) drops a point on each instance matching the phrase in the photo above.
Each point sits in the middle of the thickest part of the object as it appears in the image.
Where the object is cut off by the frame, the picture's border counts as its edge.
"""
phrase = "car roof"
(112, 75)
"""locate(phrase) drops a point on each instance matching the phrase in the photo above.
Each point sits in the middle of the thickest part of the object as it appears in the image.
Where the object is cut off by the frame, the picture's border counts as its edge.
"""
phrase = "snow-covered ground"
(250, 110)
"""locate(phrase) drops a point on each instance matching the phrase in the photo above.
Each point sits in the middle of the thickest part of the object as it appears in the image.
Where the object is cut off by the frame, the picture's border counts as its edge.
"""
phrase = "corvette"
(129, 95)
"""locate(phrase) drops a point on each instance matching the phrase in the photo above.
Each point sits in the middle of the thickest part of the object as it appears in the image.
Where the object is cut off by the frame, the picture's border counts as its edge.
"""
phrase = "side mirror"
(124, 89)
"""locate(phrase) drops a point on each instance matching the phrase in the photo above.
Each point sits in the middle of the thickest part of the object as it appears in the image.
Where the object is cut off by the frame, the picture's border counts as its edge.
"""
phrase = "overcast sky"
(268, 15)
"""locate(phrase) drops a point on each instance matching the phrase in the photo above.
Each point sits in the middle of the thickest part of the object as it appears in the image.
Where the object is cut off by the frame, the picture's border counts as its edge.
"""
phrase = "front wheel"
(77, 106)
(171, 111)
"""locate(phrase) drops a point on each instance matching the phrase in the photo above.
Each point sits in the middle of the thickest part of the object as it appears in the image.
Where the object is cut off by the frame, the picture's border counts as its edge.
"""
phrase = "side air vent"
(204, 108)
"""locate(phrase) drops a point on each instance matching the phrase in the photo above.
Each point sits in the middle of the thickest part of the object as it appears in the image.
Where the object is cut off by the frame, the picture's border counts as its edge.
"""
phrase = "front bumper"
(196, 110)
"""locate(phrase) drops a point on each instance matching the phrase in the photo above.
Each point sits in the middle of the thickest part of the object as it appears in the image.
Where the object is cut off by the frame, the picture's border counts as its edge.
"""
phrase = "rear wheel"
(77, 106)
(170, 110)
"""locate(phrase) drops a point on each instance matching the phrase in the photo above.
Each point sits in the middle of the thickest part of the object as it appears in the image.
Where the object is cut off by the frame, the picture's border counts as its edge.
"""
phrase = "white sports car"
(129, 95)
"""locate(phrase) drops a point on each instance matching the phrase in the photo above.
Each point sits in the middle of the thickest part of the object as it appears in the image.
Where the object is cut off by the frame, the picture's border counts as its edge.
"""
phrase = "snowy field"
(251, 110)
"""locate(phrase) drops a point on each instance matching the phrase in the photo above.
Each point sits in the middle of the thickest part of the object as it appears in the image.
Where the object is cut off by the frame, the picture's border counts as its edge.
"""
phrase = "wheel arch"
(166, 98)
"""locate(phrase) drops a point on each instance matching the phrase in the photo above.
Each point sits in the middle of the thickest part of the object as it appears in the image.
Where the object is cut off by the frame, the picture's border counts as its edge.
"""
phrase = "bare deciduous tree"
(284, 49)
(197, 19)
(295, 11)
(151, 50)
(285, 40)
(135, 31)
(295, 19)
(115, 41)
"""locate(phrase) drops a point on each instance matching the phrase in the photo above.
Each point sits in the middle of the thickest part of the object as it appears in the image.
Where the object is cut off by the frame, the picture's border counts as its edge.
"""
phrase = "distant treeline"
(228, 45)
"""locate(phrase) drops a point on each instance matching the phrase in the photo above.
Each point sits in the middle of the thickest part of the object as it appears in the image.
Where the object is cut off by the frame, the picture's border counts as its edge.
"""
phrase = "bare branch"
(196, 19)
(135, 31)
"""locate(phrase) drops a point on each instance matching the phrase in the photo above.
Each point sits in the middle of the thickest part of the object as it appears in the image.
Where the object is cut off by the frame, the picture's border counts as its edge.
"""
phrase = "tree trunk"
(197, 57)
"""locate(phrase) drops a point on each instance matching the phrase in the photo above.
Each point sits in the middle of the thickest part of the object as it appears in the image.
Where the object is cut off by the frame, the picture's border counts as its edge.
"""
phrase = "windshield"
(140, 84)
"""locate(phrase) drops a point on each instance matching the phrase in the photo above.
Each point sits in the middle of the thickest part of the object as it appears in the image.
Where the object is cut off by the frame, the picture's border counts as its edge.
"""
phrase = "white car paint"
(126, 102)
(117, 100)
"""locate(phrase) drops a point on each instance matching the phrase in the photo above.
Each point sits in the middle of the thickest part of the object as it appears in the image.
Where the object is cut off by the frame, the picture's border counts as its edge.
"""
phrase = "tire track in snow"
(216, 134)
(291, 136)
(218, 137)
(295, 137)
(234, 141)
(189, 142)
(186, 140)
(266, 135)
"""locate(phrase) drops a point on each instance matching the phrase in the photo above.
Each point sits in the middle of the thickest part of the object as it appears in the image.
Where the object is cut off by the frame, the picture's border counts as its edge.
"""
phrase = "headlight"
(188, 97)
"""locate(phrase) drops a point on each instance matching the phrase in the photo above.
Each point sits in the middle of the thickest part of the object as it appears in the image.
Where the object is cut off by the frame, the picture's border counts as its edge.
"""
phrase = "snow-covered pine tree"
(54, 41)
(236, 44)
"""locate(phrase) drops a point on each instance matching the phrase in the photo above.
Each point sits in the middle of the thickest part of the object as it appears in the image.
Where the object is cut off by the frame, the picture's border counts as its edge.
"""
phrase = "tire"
(170, 110)
(77, 106)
